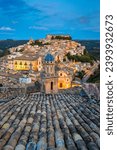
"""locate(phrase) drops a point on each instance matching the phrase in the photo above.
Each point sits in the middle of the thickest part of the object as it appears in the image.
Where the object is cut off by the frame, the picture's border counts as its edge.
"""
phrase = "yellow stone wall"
(25, 65)
(64, 81)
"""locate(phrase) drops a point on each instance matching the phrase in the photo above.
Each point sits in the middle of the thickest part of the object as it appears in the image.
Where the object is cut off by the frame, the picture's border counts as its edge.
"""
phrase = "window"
(58, 58)
(60, 74)
(25, 64)
(51, 85)
(61, 85)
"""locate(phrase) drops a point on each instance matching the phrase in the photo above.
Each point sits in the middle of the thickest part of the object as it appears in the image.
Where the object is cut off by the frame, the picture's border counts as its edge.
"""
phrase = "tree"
(80, 74)
(38, 85)
(83, 58)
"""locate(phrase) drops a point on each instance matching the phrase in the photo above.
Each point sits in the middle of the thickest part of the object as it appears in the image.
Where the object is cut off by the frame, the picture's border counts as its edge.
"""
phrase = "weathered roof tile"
(50, 122)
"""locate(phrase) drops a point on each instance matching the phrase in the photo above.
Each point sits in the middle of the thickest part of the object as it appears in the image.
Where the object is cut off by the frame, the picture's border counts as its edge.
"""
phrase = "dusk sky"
(25, 19)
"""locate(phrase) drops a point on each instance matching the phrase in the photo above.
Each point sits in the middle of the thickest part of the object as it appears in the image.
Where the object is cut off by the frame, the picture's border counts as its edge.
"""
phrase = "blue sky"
(25, 19)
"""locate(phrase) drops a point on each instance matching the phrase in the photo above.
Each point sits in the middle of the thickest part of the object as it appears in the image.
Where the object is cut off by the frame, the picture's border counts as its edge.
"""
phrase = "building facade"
(64, 79)
(24, 63)
(49, 77)
(54, 79)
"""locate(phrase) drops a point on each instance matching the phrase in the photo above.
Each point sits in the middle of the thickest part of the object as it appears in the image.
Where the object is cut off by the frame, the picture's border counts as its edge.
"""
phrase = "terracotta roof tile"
(63, 121)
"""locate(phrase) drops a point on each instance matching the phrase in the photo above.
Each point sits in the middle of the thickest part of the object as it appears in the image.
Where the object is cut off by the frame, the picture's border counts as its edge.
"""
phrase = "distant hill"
(93, 47)
(5, 44)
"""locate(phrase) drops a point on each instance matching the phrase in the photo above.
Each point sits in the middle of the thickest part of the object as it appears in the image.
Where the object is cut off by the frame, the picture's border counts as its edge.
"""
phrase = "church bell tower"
(51, 79)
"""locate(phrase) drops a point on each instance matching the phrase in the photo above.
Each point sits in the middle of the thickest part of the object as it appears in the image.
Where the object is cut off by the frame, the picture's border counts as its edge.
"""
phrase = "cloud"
(38, 28)
(6, 33)
(84, 19)
(47, 16)
(86, 22)
(3, 28)
(16, 8)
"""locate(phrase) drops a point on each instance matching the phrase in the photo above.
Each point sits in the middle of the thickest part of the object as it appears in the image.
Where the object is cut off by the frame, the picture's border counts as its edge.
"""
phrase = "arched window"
(51, 85)
(60, 74)
(20, 63)
(58, 58)
(25, 64)
(61, 85)
(16, 63)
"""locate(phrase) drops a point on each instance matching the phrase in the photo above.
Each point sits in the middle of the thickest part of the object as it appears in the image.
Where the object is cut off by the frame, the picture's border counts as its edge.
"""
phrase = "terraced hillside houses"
(27, 63)
(32, 53)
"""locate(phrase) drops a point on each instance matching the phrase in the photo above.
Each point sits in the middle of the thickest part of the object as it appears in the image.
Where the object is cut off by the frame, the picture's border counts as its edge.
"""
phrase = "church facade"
(54, 78)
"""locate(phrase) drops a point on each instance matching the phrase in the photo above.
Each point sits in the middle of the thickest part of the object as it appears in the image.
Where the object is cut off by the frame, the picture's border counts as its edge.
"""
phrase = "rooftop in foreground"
(53, 122)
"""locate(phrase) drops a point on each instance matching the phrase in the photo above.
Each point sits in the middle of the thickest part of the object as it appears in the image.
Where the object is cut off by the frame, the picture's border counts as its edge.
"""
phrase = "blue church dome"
(49, 58)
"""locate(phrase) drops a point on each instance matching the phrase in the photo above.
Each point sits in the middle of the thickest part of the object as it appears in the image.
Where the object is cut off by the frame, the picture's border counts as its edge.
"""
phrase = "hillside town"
(46, 59)
(45, 100)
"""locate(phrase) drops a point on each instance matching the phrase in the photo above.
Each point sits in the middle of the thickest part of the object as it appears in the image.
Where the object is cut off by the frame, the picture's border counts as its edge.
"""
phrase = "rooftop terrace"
(50, 122)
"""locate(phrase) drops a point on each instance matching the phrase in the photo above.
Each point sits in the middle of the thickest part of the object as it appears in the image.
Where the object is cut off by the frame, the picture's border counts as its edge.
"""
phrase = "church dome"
(49, 58)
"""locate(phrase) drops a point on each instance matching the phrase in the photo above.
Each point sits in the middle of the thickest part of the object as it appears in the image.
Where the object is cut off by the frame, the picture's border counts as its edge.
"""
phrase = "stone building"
(22, 63)
(65, 78)
(54, 78)
(59, 36)
(44, 69)
(49, 77)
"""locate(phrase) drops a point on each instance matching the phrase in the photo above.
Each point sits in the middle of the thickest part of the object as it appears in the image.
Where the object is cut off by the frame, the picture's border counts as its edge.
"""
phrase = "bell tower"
(49, 65)
(51, 79)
